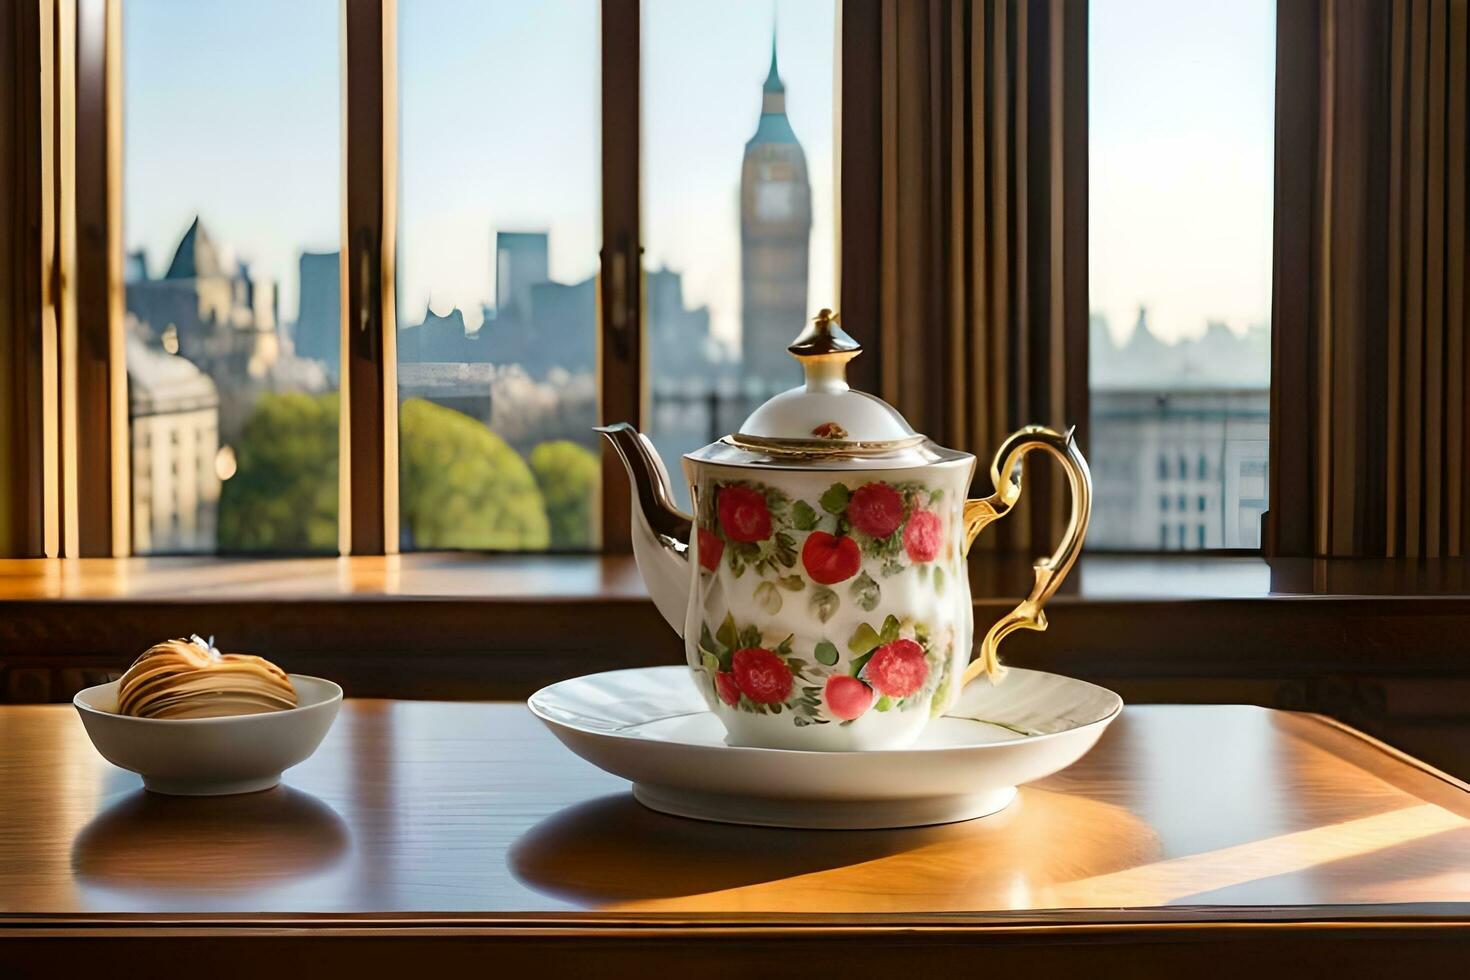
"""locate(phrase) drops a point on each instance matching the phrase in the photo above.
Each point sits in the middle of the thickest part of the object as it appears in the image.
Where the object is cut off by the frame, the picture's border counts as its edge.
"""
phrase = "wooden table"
(443, 838)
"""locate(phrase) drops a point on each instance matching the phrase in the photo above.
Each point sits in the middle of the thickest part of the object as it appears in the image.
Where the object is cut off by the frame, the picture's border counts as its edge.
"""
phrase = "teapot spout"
(660, 530)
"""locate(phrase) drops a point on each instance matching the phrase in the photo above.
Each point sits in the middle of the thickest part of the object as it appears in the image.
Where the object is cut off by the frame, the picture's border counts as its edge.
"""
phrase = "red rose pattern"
(828, 559)
(744, 514)
(727, 687)
(922, 537)
(763, 677)
(847, 697)
(711, 547)
(897, 669)
(875, 509)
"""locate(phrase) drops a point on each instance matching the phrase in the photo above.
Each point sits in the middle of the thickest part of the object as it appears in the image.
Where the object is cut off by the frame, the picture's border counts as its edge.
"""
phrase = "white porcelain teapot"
(821, 586)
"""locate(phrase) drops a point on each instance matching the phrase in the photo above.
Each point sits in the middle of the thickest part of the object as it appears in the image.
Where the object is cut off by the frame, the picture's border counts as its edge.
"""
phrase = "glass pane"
(231, 191)
(498, 234)
(738, 225)
(1181, 131)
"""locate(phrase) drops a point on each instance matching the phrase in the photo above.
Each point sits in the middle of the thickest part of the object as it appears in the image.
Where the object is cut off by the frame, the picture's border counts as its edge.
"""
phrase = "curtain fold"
(1370, 416)
(983, 258)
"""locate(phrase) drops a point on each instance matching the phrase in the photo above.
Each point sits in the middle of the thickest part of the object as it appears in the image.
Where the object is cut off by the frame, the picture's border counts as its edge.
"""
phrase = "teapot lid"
(824, 421)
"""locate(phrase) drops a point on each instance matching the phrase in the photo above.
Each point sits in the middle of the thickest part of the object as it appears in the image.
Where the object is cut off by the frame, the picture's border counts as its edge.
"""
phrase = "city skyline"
(1219, 357)
(260, 156)
(528, 163)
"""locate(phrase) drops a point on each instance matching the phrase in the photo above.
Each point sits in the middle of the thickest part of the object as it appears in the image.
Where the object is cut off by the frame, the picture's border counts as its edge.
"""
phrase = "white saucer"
(649, 725)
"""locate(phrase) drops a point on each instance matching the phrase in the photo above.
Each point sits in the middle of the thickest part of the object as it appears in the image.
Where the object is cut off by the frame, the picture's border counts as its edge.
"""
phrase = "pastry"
(191, 679)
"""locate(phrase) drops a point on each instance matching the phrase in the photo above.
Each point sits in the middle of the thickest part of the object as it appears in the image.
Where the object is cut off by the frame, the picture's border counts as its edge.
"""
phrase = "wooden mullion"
(29, 505)
(102, 469)
(1287, 524)
(860, 180)
(1076, 391)
(63, 268)
(620, 307)
(368, 463)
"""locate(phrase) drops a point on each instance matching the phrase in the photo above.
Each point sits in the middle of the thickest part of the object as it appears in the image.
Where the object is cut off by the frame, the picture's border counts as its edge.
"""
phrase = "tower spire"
(773, 77)
(773, 93)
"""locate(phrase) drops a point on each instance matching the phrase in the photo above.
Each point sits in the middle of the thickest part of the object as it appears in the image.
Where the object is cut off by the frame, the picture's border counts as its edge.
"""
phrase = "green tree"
(568, 476)
(462, 486)
(283, 496)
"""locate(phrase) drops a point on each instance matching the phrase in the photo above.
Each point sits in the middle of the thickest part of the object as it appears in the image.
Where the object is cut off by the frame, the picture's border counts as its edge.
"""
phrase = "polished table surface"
(470, 817)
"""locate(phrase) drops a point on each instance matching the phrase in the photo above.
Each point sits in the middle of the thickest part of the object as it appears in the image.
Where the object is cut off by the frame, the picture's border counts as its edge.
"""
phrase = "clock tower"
(775, 236)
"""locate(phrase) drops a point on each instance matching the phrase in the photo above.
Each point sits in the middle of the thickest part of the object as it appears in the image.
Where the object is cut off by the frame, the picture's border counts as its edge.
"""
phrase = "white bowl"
(211, 756)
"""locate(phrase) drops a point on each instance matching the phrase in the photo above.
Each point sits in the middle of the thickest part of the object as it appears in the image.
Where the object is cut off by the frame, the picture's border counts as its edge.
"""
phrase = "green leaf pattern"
(824, 602)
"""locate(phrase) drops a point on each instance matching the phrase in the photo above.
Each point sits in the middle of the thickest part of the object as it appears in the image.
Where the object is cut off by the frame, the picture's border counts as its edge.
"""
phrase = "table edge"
(1454, 915)
(1383, 747)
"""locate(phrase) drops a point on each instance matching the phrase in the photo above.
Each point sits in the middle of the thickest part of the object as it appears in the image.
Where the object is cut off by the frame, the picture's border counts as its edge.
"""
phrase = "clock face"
(773, 170)
(775, 201)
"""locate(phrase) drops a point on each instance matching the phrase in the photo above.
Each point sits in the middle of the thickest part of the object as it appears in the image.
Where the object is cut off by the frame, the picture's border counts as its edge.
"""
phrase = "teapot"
(821, 586)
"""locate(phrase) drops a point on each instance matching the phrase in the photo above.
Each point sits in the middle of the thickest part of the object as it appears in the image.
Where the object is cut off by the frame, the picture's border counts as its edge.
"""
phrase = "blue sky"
(1181, 136)
(233, 110)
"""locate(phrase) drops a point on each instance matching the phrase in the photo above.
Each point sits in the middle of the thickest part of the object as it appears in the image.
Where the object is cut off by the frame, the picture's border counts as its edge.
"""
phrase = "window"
(231, 168)
(235, 272)
(737, 129)
(1181, 130)
(497, 274)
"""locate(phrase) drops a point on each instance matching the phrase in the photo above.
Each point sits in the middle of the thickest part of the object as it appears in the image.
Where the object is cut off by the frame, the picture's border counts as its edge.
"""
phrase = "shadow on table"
(613, 851)
(210, 843)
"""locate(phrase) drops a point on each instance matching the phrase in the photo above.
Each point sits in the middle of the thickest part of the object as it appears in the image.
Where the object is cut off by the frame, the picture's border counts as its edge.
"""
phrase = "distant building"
(563, 329)
(439, 339)
(1220, 358)
(175, 438)
(464, 387)
(521, 263)
(221, 318)
(775, 239)
(135, 266)
(319, 318)
(1178, 439)
(679, 341)
(1179, 470)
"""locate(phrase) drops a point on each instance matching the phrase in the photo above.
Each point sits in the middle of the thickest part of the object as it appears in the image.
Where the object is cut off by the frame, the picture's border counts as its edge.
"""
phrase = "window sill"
(498, 626)
(513, 579)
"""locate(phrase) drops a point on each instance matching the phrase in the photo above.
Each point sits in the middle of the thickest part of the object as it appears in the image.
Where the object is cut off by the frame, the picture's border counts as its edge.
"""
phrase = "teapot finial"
(824, 349)
(824, 336)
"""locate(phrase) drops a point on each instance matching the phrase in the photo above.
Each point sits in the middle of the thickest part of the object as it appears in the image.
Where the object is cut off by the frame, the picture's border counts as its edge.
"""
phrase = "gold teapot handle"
(1006, 475)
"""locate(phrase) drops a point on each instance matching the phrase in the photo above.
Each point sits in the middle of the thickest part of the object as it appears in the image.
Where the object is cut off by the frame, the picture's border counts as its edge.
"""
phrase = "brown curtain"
(983, 229)
(1370, 414)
